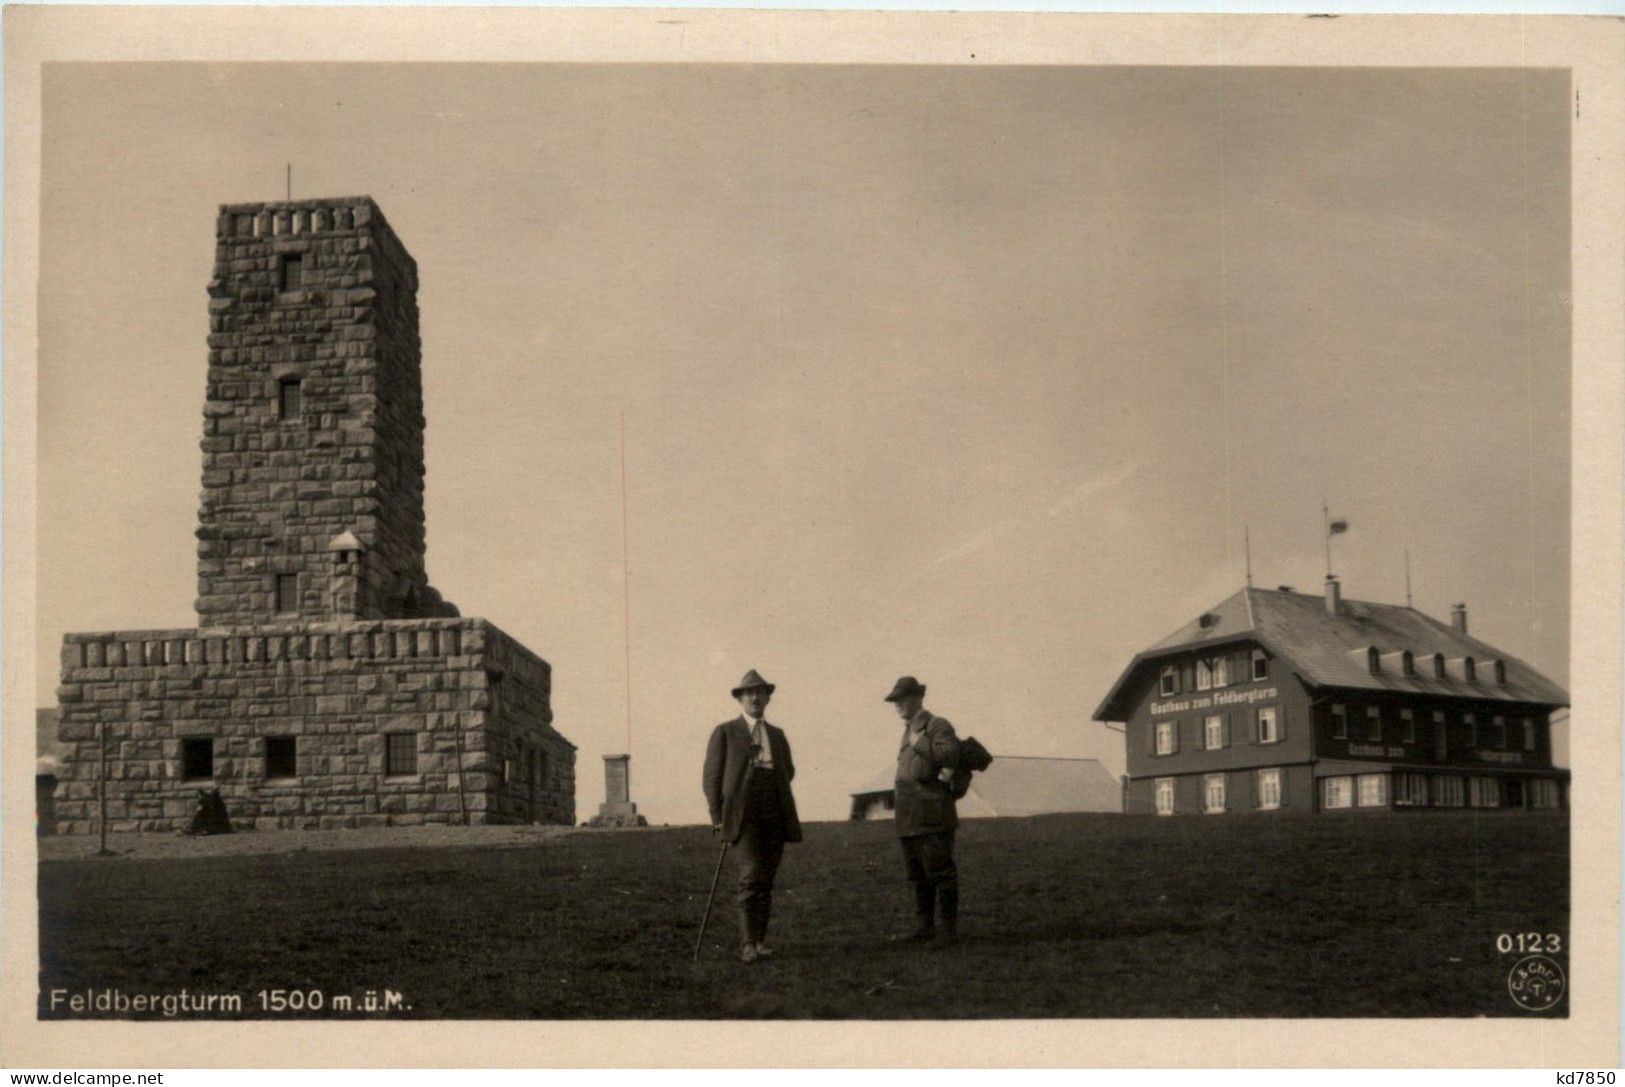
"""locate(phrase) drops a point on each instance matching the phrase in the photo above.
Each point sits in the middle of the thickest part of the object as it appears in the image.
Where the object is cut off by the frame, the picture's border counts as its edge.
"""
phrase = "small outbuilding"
(48, 751)
(1014, 785)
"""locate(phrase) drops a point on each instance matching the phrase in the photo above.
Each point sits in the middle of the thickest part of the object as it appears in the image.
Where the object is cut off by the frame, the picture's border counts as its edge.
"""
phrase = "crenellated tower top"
(312, 504)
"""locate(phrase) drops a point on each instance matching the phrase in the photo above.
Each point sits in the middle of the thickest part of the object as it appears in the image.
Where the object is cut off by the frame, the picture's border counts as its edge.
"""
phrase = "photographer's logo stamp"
(1536, 983)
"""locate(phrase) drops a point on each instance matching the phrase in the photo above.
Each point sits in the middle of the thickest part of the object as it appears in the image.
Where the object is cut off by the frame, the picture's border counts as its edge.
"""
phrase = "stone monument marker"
(617, 810)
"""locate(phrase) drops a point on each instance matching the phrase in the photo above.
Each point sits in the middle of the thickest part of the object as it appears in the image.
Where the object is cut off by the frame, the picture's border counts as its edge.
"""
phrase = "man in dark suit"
(925, 812)
(747, 785)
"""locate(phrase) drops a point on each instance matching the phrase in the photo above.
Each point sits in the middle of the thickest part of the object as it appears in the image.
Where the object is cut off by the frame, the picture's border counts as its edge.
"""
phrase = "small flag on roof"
(1337, 526)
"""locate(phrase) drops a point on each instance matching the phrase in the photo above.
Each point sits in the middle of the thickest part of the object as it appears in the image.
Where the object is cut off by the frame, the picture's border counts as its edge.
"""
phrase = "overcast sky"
(975, 374)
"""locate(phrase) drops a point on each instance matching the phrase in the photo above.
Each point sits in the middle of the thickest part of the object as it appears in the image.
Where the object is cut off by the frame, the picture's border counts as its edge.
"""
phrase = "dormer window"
(1212, 672)
(1407, 663)
(1500, 672)
(1469, 669)
(1170, 680)
(1373, 660)
(1438, 666)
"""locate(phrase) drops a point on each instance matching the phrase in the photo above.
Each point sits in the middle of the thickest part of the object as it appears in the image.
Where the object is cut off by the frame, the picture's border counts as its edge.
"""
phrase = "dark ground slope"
(1064, 916)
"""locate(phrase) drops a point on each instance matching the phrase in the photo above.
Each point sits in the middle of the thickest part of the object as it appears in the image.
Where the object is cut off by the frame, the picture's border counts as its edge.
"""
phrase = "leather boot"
(758, 921)
(762, 916)
(925, 908)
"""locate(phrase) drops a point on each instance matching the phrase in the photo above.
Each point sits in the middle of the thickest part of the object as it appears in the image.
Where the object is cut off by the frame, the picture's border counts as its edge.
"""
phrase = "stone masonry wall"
(398, 574)
(392, 708)
(469, 695)
(533, 767)
(320, 293)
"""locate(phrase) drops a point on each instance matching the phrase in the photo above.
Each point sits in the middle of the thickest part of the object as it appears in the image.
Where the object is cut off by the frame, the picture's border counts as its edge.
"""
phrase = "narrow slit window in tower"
(289, 398)
(287, 593)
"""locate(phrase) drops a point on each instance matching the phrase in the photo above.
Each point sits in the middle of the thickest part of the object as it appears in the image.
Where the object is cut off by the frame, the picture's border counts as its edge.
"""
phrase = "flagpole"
(1326, 520)
(626, 592)
(1247, 549)
(1407, 577)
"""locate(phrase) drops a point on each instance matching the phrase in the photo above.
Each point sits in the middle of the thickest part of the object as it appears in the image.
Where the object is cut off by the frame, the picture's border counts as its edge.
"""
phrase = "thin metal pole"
(1407, 577)
(1247, 548)
(626, 592)
(700, 939)
(290, 181)
(1326, 524)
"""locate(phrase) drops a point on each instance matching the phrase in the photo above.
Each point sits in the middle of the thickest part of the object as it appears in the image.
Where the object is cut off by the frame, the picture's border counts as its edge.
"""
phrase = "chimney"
(1458, 617)
(1334, 595)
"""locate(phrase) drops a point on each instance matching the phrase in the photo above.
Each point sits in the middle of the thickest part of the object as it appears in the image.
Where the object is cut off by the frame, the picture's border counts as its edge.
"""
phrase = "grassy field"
(1064, 916)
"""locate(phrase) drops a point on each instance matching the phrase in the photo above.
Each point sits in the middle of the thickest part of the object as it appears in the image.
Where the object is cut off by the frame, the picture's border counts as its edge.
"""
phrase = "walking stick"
(700, 939)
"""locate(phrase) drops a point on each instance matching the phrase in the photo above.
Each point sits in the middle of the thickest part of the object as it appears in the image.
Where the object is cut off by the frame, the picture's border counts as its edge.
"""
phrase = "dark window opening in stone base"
(400, 753)
(281, 757)
(197, 759)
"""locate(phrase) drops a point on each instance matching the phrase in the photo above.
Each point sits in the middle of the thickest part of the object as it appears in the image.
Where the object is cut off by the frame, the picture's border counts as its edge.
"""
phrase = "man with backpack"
(927, 761)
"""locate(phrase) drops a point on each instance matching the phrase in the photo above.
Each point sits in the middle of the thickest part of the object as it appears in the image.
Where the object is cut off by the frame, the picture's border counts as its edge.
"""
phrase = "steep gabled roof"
(1230, 618)
(1016, 785)
(882, 782)
(1327, 650)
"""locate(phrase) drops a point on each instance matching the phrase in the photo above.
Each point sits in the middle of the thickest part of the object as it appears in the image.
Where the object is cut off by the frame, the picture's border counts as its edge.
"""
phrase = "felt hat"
(753, 678)
(906, 687)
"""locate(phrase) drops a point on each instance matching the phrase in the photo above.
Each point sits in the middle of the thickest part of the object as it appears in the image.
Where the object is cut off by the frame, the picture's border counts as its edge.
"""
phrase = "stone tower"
(326, 683)
(313, 423)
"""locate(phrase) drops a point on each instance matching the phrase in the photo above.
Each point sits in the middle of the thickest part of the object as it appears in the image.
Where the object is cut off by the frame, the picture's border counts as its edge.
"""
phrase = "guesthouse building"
(1286, 701)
